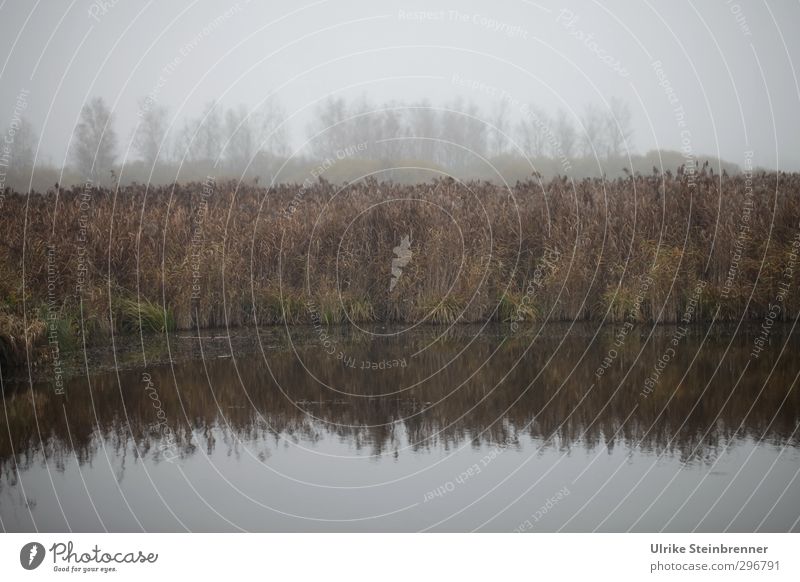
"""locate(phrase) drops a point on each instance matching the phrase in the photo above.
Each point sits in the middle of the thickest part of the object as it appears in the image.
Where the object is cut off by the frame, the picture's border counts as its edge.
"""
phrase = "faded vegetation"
(208, 255)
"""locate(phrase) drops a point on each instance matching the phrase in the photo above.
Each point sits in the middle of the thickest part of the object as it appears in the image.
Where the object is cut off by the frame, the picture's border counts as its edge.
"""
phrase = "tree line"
(456, 137)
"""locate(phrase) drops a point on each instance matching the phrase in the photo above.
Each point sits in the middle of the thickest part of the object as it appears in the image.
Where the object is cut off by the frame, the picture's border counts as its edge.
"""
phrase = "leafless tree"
(461, 124)
(475, 137)
(423, 127)
(201, 139)
(593, 136)
(242, 141)
(364, 126)
(327, 131)
(618, 128)
(498, 133)
(565, 137)
(95, 142)
(148, 139)
(23, 138)
(392, 130)
(252, 133)
(532, 130)
(274, 135)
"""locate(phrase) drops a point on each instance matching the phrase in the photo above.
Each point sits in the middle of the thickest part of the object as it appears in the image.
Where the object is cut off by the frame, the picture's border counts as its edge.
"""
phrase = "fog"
(710, 79)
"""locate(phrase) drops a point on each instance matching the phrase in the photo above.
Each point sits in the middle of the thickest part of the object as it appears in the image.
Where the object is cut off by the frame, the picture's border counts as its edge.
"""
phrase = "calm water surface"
(571, 429)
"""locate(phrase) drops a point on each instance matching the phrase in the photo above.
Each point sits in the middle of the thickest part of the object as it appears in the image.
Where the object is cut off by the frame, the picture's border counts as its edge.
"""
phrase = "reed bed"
(210, 254)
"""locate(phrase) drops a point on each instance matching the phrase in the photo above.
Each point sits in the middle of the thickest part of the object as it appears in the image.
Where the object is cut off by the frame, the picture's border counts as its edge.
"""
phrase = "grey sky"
(729, 65)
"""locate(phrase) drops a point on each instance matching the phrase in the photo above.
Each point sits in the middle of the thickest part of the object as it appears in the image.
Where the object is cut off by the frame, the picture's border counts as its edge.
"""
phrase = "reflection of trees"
(447, 410)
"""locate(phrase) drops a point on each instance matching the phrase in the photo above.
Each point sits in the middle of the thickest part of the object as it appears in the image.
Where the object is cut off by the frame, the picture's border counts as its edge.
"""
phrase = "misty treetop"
(400, 141)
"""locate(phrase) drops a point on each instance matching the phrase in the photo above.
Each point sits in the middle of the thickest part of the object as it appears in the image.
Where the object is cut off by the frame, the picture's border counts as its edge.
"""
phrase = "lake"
(560, 428)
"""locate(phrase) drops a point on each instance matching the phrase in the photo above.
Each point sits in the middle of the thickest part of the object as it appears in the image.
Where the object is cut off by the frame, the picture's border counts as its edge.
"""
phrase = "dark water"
(460, 430)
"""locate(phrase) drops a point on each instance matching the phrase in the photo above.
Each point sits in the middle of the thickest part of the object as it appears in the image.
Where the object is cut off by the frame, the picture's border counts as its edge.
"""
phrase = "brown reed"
(190, 255)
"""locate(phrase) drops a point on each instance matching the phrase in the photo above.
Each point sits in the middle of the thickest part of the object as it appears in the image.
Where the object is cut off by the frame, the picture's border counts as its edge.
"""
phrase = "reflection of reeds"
(474, 251)
(484, 392)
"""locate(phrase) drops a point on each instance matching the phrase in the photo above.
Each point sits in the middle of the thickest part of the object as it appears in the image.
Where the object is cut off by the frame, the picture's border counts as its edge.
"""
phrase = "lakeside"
(664, 248)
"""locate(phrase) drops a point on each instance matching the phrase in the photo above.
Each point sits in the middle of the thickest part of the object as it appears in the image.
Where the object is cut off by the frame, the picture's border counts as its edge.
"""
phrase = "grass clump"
(440, 310)
(144, 315)
(360, 309)
(288, 308)
(515, 307)
(16, 340)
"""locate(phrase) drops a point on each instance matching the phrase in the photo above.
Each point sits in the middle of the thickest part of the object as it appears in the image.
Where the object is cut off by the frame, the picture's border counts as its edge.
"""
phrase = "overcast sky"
(730, 66)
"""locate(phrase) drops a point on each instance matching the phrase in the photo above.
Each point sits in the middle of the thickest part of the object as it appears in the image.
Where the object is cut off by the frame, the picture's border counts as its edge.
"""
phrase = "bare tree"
(209, 132)
(461, 124)
(242, 141)
(251, 133)
(327, 131)
(451, 131)
(95, 141)
(498, 143)
(474, 131)
(618, 128)
(275, 137)
(365, 126)
(423, 126)
(532, 131)
(565, 137)
(149, 134)
(21, 147)
(391, 126)
(593, 138)
(201, 139)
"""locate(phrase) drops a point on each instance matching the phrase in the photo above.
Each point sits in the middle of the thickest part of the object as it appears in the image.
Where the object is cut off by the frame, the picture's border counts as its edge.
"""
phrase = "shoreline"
(217, 342)
(639, 250)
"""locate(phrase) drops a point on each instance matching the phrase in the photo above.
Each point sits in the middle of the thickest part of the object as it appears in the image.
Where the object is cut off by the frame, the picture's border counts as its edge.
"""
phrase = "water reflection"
(341, 412)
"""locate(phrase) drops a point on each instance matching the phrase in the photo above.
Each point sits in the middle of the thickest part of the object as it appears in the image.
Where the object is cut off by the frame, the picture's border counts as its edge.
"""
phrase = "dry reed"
(194, 255)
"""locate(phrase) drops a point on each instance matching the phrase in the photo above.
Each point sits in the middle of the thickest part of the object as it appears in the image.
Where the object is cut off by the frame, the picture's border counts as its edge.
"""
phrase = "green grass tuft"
(133, 315)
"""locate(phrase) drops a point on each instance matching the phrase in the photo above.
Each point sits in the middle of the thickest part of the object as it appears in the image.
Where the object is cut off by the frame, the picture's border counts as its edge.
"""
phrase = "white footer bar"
(416, 557)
